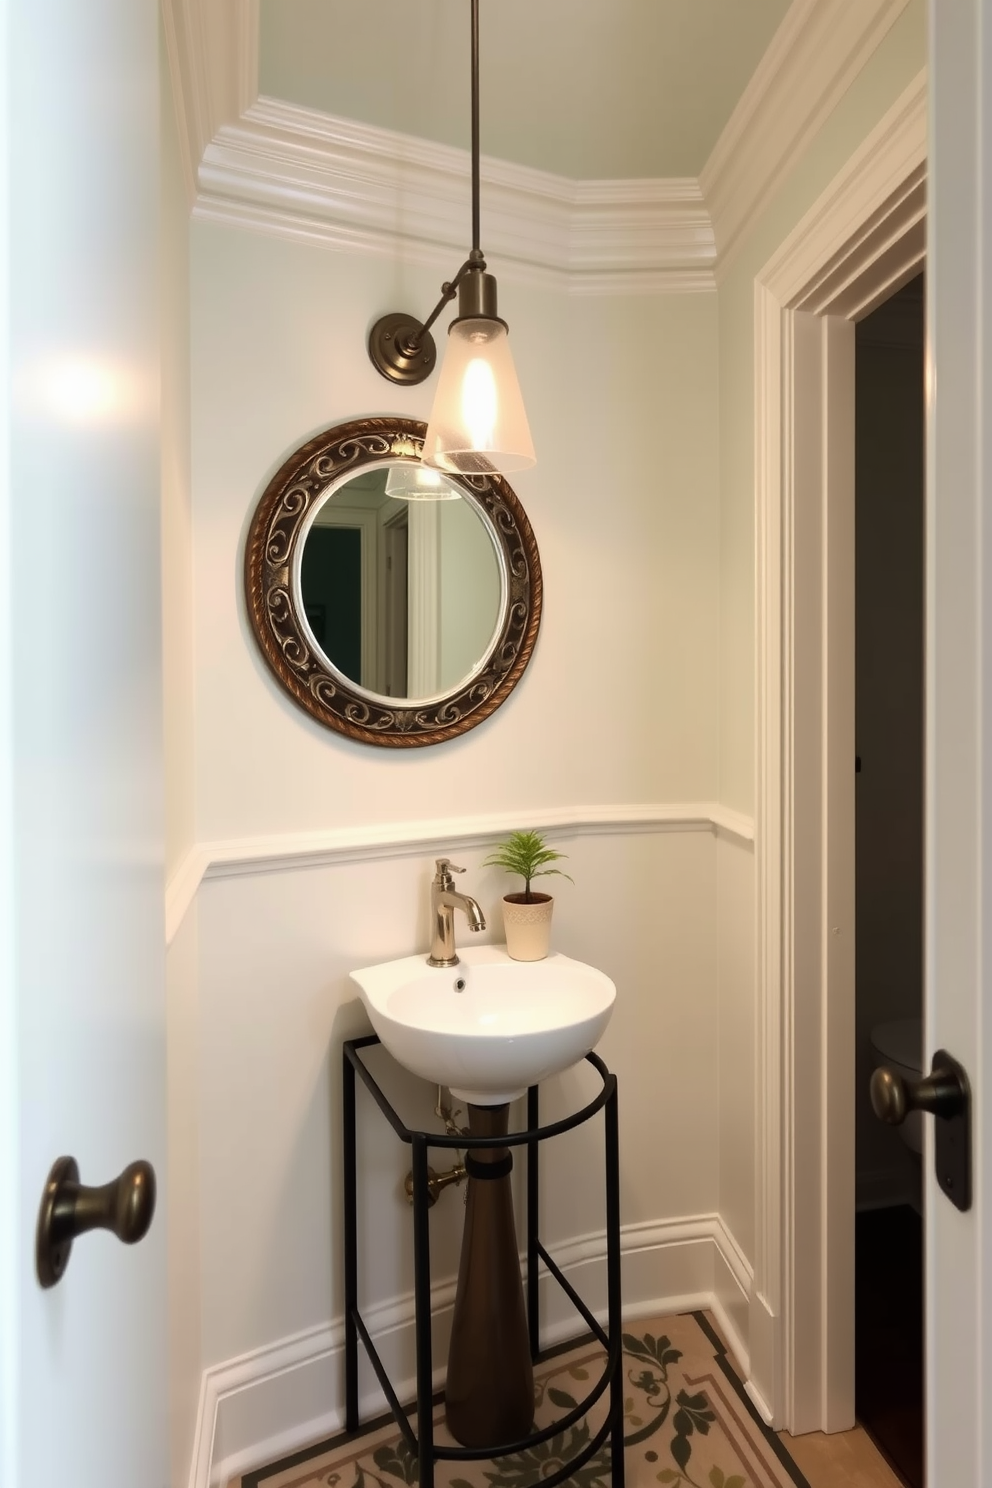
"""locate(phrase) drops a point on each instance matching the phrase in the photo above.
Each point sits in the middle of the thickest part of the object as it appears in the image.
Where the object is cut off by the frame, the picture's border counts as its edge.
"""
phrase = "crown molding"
(277, 168)
(284, 169)
(296, 173)
(814, 56)
(213, 63)
(861, 221)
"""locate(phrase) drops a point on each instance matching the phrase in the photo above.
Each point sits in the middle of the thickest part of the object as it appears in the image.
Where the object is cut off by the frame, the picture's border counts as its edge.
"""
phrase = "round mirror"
(397, 604)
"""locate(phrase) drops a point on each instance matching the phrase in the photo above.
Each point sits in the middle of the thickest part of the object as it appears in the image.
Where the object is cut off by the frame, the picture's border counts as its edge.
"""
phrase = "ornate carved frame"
(305, 674)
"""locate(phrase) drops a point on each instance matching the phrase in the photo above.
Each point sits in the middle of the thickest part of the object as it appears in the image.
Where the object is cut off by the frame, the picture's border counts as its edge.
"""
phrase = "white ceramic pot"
(527, 926)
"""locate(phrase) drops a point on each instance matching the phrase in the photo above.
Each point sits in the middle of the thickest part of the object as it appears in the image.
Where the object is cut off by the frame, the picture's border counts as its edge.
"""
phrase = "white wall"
(622, 502)
(617, 706)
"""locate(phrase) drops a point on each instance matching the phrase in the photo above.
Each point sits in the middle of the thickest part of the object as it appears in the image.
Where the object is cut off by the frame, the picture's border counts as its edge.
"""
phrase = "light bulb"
(479, 403)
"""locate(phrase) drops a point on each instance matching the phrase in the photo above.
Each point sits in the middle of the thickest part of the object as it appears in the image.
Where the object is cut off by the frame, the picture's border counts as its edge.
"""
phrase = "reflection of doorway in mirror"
(413, 612)
(468, 589)
(354, 661)
(424, 598)
(453, 595)
(332, 594)
(394, 594)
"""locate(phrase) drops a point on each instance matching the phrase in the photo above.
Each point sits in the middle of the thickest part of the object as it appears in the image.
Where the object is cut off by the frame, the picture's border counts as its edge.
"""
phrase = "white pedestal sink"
(490, 1026)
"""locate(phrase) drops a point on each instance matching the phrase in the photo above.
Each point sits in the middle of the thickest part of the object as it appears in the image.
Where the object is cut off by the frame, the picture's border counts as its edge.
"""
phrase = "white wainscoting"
(282, 852)
(277, 1399)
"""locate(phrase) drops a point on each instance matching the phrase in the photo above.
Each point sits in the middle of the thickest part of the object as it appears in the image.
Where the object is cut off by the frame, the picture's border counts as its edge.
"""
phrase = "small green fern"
(527, 854)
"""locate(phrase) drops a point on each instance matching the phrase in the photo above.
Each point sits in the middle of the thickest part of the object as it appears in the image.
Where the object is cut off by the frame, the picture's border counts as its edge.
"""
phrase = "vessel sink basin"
(490, 1026)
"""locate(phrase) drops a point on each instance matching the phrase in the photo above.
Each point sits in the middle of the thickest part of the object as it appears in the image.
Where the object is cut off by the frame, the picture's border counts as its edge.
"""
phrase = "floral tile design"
(688, 1424)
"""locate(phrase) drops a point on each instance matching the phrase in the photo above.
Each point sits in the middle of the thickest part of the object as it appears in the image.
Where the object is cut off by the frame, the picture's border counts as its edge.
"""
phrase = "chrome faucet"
(444, 901)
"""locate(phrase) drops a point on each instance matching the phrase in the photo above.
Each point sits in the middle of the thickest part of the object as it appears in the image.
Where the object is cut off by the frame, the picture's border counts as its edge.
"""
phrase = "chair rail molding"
(286, 851)
(859, 243)
(817, 51)
(284, 1395)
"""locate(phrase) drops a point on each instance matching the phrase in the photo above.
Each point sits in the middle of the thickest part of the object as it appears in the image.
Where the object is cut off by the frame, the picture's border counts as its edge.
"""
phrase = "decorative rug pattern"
(688, 1424)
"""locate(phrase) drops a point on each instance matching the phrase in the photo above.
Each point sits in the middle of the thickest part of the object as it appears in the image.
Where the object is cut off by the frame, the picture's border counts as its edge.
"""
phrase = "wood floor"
(845, 1459)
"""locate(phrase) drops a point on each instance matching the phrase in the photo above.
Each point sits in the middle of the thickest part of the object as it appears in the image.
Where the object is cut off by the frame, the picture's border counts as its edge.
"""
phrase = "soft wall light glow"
(478, 423)
(84, 390)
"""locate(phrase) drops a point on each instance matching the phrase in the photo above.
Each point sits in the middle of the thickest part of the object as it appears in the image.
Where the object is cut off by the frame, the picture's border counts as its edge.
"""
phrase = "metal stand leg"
(614, 1301)
(350, 1249)
(422, 1293)
(533, 1151)
(422, 1443)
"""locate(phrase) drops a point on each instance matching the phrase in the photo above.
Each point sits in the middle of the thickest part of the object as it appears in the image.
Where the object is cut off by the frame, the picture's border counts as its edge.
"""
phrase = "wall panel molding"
(813, 58)
(286, 851)
(274, 1400)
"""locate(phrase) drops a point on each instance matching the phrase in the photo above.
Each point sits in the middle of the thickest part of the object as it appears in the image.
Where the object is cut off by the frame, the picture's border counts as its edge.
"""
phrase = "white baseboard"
(764, 1373)
(278, 1398)
(759, 1402)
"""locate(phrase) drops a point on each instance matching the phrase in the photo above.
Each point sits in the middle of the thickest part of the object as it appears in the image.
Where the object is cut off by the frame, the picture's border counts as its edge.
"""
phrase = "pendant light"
(478, 423)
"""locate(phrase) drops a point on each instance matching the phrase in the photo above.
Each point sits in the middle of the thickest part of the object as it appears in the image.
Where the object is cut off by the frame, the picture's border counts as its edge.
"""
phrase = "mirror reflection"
(401, 581)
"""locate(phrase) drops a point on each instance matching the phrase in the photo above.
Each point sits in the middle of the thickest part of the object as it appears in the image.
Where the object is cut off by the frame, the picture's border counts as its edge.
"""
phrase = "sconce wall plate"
(393, 353)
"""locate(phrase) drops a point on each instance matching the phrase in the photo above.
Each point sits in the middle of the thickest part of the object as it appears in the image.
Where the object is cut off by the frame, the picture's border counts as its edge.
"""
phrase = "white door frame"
(861, 241)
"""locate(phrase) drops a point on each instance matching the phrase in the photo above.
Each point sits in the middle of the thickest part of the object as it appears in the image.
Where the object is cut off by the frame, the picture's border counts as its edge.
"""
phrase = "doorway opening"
(889, 805)
(857, 246)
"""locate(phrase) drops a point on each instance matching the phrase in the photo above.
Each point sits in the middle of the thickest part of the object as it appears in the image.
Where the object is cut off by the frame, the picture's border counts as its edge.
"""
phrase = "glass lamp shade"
(478, 423)
(408, 482)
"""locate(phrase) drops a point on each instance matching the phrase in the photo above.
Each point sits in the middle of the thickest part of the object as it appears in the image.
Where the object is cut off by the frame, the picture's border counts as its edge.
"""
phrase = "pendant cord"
(476, 234)
(412, 340)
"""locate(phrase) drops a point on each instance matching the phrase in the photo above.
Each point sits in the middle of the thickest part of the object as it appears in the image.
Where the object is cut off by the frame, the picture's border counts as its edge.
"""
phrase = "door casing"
(863, 239)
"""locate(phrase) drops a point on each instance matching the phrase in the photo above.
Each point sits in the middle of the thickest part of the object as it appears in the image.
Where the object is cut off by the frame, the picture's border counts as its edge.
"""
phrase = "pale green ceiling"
(585, 88)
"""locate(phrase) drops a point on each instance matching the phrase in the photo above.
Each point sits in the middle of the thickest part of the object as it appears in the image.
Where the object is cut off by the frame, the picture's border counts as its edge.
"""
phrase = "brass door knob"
(125, 1207)
(946, 1094)
(940, 1093)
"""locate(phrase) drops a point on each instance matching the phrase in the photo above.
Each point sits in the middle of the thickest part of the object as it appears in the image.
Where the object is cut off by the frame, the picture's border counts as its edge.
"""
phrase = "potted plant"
(527, 915)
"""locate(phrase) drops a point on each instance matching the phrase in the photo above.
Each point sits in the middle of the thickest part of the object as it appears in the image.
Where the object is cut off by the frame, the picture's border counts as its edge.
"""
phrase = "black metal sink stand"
(422, 1442)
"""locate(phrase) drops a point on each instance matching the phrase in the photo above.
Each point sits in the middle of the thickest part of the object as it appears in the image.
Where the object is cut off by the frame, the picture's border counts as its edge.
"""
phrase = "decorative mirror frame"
(310, 679)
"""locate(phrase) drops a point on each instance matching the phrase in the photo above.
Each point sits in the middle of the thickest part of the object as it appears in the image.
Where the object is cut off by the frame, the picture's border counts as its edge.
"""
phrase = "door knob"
(892, 1097)
(125, 1207)
(946, 1094)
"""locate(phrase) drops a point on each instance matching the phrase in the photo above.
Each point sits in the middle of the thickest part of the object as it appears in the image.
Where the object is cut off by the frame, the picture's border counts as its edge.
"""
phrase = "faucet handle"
(445, 867)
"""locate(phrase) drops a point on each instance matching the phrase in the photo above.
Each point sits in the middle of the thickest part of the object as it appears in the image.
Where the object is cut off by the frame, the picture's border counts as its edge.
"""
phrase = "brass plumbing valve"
(438, 1182)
